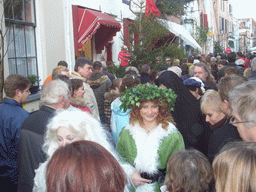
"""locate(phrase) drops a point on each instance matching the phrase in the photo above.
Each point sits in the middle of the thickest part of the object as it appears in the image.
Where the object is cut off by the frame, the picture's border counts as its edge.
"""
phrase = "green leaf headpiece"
(147, 92)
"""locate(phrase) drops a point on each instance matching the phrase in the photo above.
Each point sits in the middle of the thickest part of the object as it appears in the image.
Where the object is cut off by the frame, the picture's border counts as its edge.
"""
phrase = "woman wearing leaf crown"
(151, 137)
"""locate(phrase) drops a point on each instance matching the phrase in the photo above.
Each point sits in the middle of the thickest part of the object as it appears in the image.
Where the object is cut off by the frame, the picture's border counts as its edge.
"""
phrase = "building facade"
(247, 32)
(40, 33)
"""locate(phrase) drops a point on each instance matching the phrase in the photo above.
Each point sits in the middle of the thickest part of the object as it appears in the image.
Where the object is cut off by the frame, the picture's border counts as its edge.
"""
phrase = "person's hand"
(138, 180)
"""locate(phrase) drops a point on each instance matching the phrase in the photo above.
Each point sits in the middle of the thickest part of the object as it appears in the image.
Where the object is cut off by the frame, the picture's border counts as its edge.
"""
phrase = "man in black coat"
(231, 57)
(54, 96)
(145, 74)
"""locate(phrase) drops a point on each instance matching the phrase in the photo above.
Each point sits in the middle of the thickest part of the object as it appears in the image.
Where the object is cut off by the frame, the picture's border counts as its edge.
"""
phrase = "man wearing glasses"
(243, 103)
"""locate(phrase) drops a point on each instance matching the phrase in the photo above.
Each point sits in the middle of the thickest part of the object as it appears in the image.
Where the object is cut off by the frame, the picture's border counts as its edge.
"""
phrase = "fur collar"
(75, 75)
(148, 145)
(78, 102)
(112, 94)
(97, 82)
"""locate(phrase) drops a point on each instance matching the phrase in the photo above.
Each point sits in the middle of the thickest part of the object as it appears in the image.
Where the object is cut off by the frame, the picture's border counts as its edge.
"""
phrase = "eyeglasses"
(233, 121)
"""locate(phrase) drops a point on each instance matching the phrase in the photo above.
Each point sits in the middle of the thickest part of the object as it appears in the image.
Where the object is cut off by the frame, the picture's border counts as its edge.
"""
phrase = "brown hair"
(81, 61)
(235, 167)
(76, 84)
(230, 71)
(188, 171)
(97, 65)
(227, 84)
(164, 115)
(209, 77)
(115, 84)
(128, 82)
(14, 82)
(84, 166)
(63, 63)
(223, 61)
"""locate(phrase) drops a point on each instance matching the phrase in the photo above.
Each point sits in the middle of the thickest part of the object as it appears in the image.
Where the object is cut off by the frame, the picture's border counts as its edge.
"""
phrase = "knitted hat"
(199, 80)
(192, 82)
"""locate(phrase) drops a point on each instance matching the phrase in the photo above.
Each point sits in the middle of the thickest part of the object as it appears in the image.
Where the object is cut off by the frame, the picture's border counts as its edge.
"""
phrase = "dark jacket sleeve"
(32, 154)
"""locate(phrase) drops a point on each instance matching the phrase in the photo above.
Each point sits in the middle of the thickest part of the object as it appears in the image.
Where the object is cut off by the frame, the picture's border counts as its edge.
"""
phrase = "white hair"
(239, 62)
(213, 59)
(175, 69)
(253, 64)
(243, 102)
(196, 61)
(52, 91)
(80, 123)
(85, 127)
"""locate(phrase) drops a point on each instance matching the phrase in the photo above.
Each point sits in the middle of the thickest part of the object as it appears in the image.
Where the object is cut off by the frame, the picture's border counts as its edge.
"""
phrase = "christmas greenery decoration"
(147, 92)
(172, 7)
(152, 41)
(231, 44)
(217, 47)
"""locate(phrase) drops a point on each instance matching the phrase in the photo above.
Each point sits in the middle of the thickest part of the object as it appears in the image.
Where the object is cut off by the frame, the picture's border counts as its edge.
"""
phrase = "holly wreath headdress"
(147, 92)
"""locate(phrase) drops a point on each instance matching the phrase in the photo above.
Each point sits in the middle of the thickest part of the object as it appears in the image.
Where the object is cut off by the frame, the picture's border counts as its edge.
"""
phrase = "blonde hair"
(247, 73)
(235, 168)
(211, 98)
(176, 62)
(57, 70)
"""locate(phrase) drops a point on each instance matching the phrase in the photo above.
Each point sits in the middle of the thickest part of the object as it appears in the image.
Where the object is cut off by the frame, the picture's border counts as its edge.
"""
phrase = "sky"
(244, 8)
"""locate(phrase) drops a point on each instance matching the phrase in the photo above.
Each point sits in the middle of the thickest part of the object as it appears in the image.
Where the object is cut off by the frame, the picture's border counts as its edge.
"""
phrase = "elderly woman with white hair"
(243, 103)
(67, 127)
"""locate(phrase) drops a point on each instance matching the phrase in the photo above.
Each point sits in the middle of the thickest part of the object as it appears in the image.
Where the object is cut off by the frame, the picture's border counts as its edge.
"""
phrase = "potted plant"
(34, 83)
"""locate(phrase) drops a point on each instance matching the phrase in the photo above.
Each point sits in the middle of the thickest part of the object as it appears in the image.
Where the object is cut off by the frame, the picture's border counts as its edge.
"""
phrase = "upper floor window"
(20, 36)
(230, 9)
(223, 3)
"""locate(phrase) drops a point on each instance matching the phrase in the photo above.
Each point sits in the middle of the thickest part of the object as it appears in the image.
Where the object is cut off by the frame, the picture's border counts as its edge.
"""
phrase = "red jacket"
(124, 58)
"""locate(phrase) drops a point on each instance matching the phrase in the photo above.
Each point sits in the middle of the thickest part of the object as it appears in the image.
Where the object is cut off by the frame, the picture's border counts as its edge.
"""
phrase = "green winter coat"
(149, 152)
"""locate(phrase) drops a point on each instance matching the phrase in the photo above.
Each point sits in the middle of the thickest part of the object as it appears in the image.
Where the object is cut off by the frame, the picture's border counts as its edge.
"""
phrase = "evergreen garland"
(147, 92)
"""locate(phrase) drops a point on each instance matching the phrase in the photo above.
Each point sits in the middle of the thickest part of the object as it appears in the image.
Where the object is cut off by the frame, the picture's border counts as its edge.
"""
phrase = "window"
(226, 25)
(222, 24)
(223, 5)
(20, 36)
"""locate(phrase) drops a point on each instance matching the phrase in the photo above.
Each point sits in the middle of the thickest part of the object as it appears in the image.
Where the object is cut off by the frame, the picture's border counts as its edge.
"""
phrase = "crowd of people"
(188, 127)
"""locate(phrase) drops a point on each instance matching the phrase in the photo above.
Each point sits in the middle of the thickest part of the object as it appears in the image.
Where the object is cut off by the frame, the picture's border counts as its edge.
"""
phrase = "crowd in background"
(97, 132)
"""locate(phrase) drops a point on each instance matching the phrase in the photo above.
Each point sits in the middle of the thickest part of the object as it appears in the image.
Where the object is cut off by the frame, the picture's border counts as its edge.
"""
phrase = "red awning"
(93, 22)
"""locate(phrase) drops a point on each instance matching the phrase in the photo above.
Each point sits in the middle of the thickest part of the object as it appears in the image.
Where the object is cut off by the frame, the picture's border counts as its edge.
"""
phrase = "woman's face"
(65, 136)
(213, 116)
(149, 112)
(79, 92)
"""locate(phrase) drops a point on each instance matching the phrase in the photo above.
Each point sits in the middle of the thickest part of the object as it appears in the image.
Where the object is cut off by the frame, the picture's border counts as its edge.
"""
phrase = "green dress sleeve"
(174, 142)
(126, 147)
